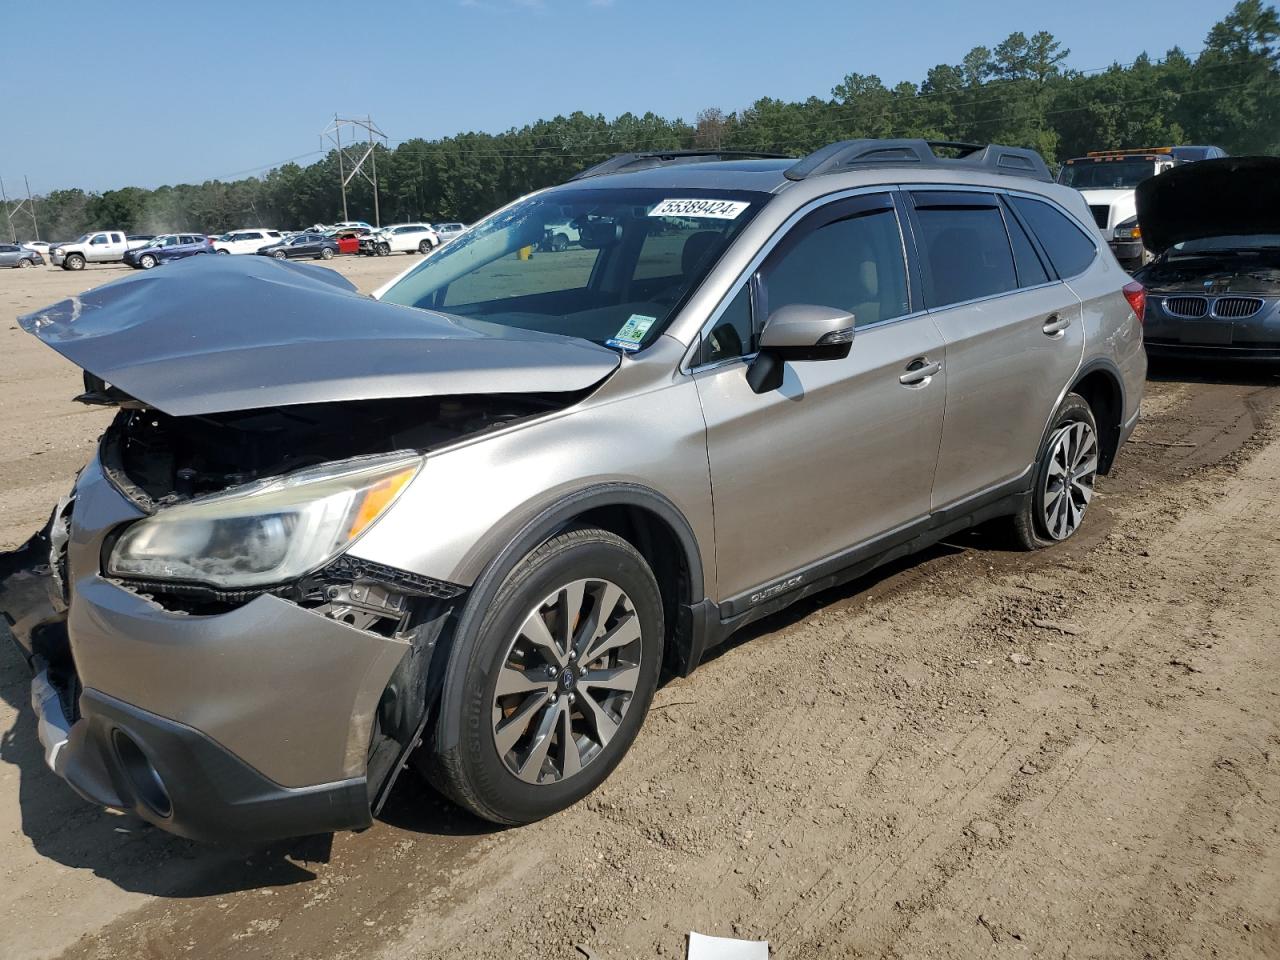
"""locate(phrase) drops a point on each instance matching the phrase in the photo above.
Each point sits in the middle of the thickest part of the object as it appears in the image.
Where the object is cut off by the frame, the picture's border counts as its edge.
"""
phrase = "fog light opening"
(146, 781)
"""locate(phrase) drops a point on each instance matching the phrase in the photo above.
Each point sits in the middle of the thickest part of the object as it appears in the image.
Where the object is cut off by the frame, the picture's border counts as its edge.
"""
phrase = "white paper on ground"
(726, 948)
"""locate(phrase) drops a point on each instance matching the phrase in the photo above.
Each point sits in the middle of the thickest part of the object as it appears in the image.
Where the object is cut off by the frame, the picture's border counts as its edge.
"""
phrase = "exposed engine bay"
(160, 459)
(1247, 270)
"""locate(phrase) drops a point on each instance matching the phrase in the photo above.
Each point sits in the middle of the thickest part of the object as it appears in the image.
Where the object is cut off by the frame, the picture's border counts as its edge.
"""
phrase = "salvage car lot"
(1075, 749)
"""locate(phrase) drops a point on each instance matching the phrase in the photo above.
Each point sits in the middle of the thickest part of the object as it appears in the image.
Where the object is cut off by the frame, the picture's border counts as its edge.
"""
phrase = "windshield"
(1106, 174)
(609, 265)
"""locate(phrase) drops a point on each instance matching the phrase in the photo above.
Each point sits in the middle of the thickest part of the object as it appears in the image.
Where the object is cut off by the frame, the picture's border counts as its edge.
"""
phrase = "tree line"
(1022, 92)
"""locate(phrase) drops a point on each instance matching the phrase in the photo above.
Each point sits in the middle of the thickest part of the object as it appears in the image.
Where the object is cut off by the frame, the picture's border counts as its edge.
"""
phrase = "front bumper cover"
(118, 755)
(256, 722)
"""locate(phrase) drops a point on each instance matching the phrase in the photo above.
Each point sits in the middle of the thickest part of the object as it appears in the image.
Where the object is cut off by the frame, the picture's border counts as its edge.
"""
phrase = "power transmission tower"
(27, 206)
(364, 135)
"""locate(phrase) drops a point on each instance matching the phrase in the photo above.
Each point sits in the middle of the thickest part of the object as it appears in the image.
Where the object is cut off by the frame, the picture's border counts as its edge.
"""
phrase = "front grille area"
(1189, 308)
(1101, 213)
(1236, 308)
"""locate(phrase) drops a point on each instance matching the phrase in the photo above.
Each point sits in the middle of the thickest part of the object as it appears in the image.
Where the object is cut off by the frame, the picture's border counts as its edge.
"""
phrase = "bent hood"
(217, 334)
(1235, 196)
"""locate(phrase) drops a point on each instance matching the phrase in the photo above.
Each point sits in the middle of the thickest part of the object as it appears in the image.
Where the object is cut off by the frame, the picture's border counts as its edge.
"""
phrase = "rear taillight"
(1136, 294)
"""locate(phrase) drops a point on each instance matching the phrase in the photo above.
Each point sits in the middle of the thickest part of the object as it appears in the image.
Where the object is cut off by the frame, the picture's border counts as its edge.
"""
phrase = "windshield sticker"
(632, 332)
(708, 209)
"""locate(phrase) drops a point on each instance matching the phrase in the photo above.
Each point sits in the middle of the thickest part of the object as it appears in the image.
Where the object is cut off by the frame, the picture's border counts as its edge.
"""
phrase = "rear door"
(1013, 335)
(844, 450)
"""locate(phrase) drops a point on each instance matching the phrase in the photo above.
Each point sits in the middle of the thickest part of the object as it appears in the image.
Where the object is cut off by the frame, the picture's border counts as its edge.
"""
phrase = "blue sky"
(104, 95)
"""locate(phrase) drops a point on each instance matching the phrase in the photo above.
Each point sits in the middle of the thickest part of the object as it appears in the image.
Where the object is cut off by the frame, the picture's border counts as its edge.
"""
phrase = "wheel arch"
(644, 518)
(1102, 387)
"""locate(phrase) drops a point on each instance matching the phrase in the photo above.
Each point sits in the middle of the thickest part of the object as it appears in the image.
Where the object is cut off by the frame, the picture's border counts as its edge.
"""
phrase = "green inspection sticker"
(632, 332)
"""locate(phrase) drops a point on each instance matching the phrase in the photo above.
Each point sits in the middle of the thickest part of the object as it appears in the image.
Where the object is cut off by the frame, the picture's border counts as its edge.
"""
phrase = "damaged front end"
(207, 652)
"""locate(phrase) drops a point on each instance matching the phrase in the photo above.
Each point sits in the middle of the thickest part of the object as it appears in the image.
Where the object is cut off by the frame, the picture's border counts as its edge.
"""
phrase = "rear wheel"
(1064, 479)
(424, 247)
(326, 253)
(559, 243)
(551, 693)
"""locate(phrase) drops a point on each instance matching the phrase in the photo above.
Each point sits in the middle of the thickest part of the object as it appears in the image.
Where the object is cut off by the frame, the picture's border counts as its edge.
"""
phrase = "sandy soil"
(973, 753)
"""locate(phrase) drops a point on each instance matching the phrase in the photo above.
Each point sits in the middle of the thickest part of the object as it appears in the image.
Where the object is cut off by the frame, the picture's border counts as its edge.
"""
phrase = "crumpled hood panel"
(217, 334)
(1235, 196)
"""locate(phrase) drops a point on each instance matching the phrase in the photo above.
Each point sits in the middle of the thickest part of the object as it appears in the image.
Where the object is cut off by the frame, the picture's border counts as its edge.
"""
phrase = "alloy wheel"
(1069, 479)
(566, 681)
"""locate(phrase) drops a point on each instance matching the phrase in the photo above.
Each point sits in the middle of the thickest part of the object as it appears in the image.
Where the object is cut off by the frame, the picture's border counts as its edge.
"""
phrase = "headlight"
(266, 532)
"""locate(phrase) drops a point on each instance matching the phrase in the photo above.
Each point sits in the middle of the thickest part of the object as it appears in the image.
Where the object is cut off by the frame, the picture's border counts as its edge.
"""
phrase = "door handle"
(919, 372)
(1055, 325)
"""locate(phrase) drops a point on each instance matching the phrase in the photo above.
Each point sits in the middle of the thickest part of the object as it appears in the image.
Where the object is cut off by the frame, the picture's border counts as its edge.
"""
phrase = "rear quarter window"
(1069, 249)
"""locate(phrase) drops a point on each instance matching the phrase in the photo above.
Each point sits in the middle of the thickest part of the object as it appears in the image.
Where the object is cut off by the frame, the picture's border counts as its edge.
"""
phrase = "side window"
(1068, 248)
(964, 246)
(854, 263)
(734, 334)
(1030, 270)
(99, 241)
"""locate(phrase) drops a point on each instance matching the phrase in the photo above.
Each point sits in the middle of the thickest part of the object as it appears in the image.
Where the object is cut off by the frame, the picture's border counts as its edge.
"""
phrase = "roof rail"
(849, 154)
(629, 162)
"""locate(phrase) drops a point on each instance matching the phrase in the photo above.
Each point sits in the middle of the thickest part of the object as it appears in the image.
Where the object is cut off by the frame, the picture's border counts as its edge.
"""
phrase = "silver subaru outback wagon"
(470, 521)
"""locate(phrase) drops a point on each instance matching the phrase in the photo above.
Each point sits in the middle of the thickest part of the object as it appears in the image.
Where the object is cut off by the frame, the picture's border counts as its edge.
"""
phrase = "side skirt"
(710, 624)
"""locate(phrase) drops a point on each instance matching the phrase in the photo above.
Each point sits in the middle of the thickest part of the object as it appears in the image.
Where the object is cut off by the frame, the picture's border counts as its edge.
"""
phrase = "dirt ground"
(973, 753)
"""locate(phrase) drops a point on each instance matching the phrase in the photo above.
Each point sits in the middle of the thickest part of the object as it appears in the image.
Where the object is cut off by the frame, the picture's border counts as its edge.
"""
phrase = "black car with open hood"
(1214, 289)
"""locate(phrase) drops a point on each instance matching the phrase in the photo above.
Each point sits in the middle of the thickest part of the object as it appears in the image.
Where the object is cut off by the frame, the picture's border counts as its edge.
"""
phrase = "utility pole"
(27, 207)
(356, 154)
(31, 202)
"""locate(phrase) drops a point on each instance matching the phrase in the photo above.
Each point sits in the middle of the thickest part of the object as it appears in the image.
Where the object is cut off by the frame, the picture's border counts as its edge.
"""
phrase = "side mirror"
(799, 331)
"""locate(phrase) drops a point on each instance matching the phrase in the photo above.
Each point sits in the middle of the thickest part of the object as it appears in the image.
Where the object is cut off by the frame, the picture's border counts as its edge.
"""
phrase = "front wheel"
(1064, 478)
(279, 255)
(74, 261)
(546, 699)
(326, 254)
(226, 252)
(146, 261)
(24, 264)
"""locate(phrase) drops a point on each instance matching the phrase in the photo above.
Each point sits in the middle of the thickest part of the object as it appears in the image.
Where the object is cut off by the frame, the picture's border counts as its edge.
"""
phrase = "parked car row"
(145, 251)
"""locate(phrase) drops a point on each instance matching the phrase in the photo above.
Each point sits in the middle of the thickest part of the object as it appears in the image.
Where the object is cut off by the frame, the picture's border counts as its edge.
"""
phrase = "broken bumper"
(118, 755)
(252, 724)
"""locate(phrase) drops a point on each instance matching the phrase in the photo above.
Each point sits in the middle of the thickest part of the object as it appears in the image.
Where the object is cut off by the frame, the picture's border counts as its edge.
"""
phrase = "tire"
(384, 249)
(559, 243)
(1070, 450)
(326, 253)
(74, 261)
(424, 247)
(225, 253)
(146, 261)
(494, 767)
(24, 264)
(279, 255)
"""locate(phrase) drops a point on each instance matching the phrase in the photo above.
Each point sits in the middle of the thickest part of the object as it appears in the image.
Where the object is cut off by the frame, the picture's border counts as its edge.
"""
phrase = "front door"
(844, 450)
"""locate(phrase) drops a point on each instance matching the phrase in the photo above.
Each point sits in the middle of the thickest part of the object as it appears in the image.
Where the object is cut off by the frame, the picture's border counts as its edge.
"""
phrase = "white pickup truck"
(100, 246)
(1108, 178)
